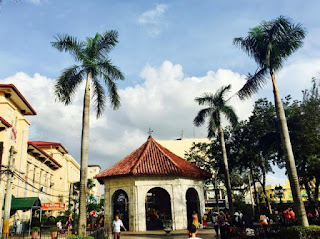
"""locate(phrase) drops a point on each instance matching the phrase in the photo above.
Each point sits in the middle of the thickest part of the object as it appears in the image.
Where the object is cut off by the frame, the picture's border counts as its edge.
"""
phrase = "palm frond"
(109, 69)
(67, 84)
(113, 92)
(206, 98)
(201, 117)
(230, 114)
(253, 84)
(213, 124)
(99, 97)
(107, 41)
(67, 43)
(221, 93)
(272, 42)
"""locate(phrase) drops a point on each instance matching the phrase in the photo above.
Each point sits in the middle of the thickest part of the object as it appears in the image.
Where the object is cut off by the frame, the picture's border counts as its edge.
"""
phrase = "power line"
(45, 185)
(22, 179)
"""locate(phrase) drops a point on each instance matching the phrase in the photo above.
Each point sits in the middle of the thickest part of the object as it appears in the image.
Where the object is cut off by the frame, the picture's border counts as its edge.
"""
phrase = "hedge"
(299, 232)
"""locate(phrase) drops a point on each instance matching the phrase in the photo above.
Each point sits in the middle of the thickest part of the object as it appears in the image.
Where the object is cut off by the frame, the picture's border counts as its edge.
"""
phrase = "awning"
(25, 203)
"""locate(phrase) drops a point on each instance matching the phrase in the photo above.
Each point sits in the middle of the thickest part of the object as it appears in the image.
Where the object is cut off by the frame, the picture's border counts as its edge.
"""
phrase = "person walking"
(69, 224)
(222, 224)
(215, 223)
(116, 227)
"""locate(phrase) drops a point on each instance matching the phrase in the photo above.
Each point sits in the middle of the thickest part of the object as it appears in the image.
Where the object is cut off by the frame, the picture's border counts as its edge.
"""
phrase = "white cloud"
(276, 179)
(164, 102)
(152, 19)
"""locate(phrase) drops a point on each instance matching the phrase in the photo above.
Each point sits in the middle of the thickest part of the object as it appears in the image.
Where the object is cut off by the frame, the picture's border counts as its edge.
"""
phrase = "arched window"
(158, 208)
(193, 203)
(120, 202)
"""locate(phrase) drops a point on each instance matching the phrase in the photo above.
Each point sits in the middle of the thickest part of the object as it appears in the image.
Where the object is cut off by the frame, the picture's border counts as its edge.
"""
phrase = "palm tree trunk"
(267, 202)
(290, 162)
(84, 159)
(256, 198)
(226, 167)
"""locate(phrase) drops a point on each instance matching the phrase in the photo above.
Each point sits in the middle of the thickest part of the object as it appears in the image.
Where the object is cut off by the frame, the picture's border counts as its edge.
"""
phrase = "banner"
(53, 206)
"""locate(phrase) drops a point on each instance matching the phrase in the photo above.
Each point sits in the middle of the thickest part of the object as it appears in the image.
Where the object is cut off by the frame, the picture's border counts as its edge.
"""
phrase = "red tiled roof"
(12, 86)
(5, 123)
(47, 144)
(152, 159)
(44, 153)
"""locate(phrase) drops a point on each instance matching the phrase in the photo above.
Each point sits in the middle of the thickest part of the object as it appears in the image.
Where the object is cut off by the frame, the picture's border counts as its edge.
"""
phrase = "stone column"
(132, 208)
(178, 203)
(107, 207)
(141, 209)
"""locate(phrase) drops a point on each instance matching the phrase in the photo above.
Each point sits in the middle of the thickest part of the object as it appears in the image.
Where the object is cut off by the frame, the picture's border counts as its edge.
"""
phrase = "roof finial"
(150, 131)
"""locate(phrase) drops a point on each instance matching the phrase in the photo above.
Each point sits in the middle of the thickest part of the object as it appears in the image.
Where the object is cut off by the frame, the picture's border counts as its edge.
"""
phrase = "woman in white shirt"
(116, 227)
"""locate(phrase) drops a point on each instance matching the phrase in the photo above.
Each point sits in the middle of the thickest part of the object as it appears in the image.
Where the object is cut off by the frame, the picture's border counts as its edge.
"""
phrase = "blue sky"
(168, 51)
(195, 34)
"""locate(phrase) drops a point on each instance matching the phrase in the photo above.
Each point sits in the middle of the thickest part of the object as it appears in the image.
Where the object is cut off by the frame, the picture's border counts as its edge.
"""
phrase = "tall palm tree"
(95, 66)
(270, 44)
(217, 106)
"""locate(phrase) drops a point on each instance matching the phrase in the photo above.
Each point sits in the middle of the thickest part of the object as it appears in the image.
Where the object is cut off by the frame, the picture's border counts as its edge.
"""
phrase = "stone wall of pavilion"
(137, 188)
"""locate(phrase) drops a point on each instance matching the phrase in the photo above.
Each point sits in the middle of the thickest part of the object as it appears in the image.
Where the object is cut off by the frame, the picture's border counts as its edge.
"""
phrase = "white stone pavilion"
(151, 185)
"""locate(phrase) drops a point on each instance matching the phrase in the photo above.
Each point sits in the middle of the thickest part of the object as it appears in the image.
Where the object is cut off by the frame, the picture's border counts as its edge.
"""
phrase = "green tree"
(95, 66)
(217, 106)
(270, 44)
(304, 125)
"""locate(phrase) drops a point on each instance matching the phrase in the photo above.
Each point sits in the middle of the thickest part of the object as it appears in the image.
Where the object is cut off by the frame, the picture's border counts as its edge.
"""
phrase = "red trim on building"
(6, 123)
(47, 144)
(152, 159)
(12, 86)
(44, 153)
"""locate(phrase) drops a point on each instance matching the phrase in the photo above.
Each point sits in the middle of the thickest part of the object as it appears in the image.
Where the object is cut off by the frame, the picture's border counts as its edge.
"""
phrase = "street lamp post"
(278, 190)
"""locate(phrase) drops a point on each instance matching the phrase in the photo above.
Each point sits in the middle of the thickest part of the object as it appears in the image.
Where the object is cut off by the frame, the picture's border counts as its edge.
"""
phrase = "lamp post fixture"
(278, 190)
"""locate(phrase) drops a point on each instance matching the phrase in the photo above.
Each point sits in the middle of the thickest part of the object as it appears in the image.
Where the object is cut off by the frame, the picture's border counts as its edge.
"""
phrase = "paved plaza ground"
(179, 234)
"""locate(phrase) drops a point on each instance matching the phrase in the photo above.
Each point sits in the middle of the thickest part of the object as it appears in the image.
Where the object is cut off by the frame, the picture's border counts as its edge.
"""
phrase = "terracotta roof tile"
(152, 159)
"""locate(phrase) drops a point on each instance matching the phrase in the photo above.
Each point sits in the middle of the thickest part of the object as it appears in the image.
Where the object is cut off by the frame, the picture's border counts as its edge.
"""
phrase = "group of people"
(68, 225)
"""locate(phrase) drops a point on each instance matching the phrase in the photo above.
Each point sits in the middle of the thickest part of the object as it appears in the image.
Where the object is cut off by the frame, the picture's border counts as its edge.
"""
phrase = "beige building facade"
(93, 170)
(41, 169)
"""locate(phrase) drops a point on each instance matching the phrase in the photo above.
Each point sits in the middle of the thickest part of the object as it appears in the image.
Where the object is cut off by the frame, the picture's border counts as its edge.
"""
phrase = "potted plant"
(54, 232)
(35, 232)
(167, 226)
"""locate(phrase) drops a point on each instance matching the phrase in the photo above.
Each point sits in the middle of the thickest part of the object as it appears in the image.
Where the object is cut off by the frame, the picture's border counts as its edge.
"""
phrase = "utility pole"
(7, 207)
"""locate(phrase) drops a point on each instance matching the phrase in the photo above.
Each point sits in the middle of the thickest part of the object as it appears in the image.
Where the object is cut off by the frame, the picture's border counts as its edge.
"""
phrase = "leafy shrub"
(79, 237)
(63, 219)
(35, 229)
(53, 229)
(299, 232)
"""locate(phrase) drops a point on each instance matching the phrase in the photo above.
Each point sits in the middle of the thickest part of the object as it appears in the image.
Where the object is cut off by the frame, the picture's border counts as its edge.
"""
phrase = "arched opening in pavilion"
(158, 208)
(193, 203)
(120, 202)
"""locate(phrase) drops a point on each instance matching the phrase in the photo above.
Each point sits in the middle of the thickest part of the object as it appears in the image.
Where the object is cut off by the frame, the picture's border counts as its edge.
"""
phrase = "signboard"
(53, 206)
